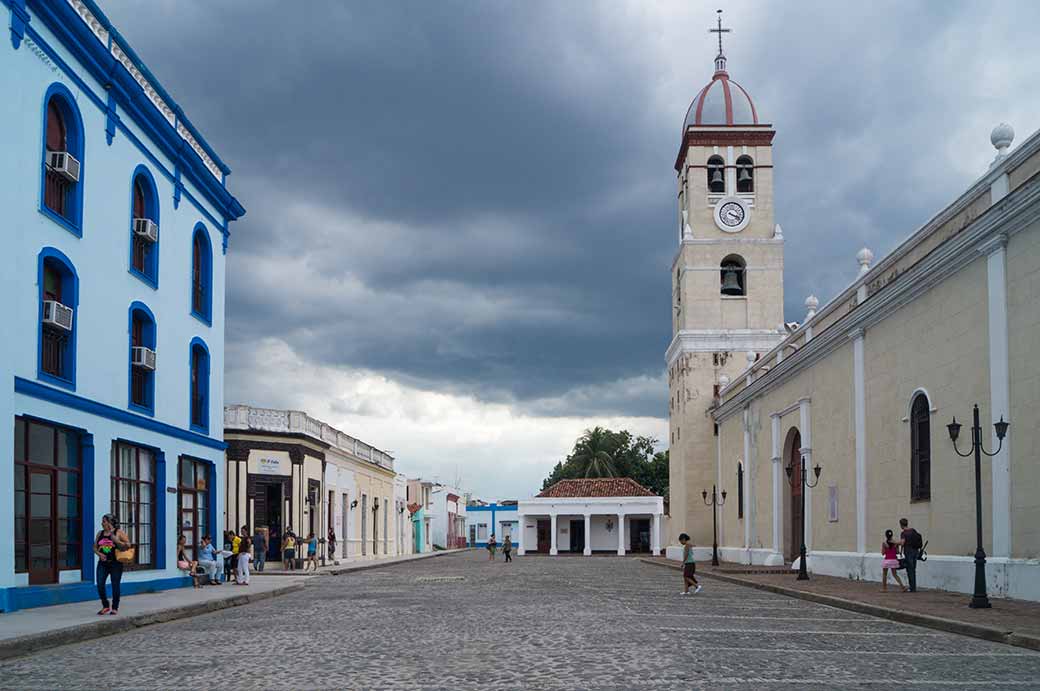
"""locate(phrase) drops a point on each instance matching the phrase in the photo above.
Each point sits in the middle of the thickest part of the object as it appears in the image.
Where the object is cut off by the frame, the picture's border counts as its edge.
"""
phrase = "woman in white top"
(245, 556)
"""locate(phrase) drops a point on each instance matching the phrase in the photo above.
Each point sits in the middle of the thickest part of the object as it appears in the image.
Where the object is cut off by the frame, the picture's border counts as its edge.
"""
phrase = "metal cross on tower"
(719, 30)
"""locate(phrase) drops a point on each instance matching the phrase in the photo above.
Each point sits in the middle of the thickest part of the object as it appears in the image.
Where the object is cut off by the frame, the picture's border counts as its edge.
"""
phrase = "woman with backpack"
(890, 562)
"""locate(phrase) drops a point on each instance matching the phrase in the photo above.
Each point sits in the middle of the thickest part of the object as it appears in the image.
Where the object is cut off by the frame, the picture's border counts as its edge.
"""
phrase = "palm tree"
(591, 454)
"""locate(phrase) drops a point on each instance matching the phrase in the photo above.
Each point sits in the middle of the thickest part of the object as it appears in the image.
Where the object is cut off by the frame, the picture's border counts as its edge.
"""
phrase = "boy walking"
(689, 567)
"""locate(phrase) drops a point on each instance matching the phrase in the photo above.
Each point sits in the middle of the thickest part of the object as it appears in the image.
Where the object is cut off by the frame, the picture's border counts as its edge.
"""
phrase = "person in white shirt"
(244, 557)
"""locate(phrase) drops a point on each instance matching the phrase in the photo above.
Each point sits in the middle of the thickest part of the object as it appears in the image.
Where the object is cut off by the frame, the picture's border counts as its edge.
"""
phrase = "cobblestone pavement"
(459, 622)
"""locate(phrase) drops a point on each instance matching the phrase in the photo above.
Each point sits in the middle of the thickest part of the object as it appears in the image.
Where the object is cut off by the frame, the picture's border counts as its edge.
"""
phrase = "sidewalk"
(352, 565)
(29, 630)
(1015, 622)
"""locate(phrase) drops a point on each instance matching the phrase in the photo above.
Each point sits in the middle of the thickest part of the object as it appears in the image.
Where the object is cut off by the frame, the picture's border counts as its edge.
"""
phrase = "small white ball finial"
(778, 232)
(1001, 138)
(751, 357)
(811, 303)
(864, 257)
(723, 381)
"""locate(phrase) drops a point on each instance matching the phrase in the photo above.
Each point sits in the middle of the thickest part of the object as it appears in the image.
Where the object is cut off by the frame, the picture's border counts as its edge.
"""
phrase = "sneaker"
(684, 592)
(104, 610)
(698, 589)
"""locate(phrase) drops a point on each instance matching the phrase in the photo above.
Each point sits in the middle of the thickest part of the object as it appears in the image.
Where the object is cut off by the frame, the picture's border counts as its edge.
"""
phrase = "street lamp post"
(803, 479)
(979, 599)
(714, 504)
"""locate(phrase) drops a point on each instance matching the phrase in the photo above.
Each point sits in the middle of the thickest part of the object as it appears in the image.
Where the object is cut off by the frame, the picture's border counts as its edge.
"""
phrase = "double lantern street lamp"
(714, 504)
(979, 600)
(803, 480)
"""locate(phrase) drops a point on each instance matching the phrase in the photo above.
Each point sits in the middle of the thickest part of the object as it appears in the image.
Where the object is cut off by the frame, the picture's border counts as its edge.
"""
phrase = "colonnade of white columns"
(619, 517)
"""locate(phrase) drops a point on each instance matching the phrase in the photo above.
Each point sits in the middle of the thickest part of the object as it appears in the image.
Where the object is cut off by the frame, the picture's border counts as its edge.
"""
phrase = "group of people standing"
(291, 543)
(507, 548)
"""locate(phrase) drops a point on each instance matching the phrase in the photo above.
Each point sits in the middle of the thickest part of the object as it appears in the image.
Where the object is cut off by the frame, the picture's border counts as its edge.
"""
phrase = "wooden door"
(43, 558)
(544, 536)
(639, 535)
(794, 461)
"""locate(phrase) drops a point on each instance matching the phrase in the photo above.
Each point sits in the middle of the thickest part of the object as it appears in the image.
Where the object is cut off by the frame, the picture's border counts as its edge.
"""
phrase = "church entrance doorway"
(578, 536)
(793, 459)
(544, 537)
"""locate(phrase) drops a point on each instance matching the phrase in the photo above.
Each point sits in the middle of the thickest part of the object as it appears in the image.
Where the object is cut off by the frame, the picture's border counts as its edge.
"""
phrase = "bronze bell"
(716, 177)
(745, 175)
(731, 284)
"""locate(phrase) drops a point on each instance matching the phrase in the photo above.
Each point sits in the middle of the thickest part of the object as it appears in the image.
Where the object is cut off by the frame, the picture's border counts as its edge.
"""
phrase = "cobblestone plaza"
(461, 622)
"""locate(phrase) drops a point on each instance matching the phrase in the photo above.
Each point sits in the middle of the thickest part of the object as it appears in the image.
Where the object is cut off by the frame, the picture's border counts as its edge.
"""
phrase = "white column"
(521, 521)
(552, 535)
(655, 534)
(588, 535)
(804, 424)
(999, 394)
(731, 171)
(860, 401)
(621, 534)
(749, 495)
(775, 457)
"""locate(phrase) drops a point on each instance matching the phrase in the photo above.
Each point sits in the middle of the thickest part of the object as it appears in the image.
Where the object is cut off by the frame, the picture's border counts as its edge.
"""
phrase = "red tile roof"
(597, 487)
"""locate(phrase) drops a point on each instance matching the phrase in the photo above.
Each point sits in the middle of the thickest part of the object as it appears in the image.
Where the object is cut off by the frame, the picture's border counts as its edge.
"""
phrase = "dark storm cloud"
(478, 197)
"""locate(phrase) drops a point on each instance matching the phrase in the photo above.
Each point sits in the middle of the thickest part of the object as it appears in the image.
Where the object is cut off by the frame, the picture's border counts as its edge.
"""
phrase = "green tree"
(601, 452)
(593, 453)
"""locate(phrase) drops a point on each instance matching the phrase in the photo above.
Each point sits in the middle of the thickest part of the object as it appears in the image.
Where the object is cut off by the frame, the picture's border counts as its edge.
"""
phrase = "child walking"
(890, 561)
(689, 567)
(245, 556)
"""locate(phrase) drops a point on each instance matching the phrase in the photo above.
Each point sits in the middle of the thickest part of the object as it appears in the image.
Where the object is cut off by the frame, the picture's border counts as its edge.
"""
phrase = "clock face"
(731, 214)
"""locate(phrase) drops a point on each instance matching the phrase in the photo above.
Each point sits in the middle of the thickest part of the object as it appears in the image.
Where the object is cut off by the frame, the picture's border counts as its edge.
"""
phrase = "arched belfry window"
(745, 174)
(920, 449)
(716, 175)
(733, 273)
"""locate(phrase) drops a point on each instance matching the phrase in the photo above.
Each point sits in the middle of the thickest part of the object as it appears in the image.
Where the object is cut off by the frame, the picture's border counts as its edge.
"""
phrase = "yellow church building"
(867, 384)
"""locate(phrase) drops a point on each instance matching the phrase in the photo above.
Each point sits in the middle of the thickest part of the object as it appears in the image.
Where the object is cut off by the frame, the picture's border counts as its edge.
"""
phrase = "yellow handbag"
(125, 556)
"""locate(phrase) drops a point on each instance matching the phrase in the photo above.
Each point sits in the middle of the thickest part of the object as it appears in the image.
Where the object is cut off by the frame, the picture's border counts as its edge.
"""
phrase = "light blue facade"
(58, 46)
(497, 519)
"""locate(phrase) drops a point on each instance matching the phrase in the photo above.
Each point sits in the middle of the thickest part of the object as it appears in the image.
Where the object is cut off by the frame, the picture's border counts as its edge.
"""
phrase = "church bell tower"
(727, 284)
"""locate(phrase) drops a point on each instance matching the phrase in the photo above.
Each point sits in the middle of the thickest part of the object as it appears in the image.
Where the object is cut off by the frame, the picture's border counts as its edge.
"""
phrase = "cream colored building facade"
(286, 469)
(865, 386)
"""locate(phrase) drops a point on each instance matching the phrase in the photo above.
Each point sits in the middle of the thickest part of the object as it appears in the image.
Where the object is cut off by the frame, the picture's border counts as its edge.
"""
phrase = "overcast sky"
(460, 216)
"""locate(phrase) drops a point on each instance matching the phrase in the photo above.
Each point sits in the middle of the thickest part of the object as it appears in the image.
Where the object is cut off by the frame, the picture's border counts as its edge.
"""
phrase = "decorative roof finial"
(720, 59)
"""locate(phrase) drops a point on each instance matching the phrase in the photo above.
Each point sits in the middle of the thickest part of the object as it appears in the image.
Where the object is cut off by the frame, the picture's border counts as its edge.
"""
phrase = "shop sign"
(271, 466)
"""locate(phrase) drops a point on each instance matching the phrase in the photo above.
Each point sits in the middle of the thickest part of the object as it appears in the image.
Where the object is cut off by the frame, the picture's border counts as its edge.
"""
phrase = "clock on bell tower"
(727, 281)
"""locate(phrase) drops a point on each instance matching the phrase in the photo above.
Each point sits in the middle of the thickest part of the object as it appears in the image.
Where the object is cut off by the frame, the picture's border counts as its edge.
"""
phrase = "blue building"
(498, 519)
(115, 228)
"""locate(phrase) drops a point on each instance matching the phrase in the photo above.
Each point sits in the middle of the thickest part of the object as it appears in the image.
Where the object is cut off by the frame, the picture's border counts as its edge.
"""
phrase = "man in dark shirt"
(907, 538)
(259, 548)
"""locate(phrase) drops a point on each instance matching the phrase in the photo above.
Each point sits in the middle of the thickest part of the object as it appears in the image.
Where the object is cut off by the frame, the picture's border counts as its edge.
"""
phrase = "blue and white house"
(498, 519)
(115, 230)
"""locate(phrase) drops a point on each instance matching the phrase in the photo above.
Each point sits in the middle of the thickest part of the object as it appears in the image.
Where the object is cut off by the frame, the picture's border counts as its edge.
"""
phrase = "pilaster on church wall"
(1023, 281)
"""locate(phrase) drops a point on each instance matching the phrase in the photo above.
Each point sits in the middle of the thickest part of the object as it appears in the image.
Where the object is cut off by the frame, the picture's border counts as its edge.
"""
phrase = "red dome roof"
(721, 102)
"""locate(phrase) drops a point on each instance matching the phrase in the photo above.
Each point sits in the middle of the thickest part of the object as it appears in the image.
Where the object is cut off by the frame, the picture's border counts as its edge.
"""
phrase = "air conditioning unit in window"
(57, 315)
(146, 229)
(144, 358)
(64, 164)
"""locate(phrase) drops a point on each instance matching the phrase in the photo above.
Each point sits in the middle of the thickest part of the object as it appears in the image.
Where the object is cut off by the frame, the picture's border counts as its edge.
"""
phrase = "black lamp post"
(979, 599)
(714, 503)
(803, 479)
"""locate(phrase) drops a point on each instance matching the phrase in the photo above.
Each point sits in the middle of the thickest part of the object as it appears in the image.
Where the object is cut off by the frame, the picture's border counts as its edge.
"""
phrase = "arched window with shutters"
(745, 174)
(202, 275)
(144, 227)
(59, 297)
(143, 360)
(61, 193)
(198, 362)
(920, 448)
(716, 175)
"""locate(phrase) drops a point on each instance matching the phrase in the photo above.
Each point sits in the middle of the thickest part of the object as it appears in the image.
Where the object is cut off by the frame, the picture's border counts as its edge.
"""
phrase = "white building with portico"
(615, 515)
